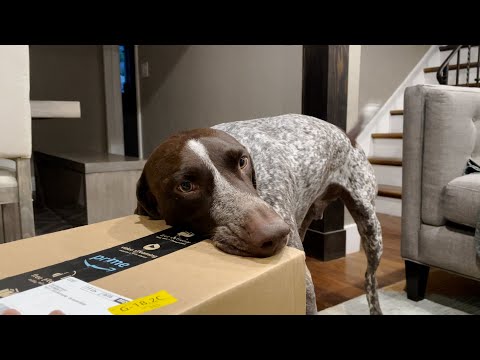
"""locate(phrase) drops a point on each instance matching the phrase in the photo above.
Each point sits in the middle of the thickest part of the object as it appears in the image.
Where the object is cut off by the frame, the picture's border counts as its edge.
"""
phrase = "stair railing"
(443, 71)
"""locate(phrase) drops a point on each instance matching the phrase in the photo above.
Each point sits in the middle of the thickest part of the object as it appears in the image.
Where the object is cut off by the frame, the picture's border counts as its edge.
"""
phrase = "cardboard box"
(203, 279)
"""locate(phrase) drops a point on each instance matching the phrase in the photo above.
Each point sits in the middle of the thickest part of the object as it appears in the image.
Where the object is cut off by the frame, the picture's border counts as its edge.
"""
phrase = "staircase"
(382, 138)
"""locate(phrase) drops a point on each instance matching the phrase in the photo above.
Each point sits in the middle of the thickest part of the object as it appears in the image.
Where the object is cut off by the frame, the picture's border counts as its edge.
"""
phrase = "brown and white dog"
(210, 194)
(254, 186)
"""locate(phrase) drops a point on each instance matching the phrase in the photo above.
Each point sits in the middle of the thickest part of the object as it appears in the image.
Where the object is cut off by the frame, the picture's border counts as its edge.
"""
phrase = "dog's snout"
(267, 235)
(267, 232)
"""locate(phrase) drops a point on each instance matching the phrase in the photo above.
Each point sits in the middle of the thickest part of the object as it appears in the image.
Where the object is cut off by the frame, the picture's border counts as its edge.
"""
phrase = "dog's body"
(300, 165)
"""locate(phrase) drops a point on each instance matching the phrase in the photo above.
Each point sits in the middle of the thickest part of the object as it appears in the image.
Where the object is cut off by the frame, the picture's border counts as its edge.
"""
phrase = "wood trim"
(390, 191)
(452, 47)
(385, 161)
(435, 69)
(315, 84)
(387, 135)
(113, 100)
(338, 86)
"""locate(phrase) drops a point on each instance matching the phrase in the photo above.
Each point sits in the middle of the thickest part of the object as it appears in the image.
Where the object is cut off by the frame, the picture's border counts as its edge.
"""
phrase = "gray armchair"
(439, 204)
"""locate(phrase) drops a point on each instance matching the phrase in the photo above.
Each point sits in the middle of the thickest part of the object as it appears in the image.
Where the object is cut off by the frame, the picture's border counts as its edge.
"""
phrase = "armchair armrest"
(441, 124)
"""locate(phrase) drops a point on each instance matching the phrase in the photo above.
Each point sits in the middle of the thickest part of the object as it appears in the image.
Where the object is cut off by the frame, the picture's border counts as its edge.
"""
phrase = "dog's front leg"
(294, 241)
(311, 298)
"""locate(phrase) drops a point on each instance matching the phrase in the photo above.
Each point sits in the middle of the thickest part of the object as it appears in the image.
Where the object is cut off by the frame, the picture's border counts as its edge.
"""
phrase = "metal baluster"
(477, 80)
(458, 65)
(468, 64)
(443, 71)
(445, 76)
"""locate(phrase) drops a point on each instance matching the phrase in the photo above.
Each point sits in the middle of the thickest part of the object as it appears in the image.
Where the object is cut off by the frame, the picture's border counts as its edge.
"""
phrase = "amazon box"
(138, 259)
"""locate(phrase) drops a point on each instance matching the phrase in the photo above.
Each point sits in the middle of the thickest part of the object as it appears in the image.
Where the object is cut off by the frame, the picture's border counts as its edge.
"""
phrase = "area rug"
(447, 294)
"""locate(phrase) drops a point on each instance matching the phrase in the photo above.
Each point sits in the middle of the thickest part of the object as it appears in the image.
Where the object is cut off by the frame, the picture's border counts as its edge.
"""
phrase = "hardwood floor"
(340, 280)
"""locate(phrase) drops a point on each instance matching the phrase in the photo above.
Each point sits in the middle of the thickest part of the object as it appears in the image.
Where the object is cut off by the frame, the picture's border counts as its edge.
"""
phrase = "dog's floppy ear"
(146, 202)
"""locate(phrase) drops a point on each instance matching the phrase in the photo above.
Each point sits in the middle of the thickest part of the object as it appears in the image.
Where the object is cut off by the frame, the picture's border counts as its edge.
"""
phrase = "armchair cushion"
(7, 179)
(451, 137)
(461, 200)
(7, 164)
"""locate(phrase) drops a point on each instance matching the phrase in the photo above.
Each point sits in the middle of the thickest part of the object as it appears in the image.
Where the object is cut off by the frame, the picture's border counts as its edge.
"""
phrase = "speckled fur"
(303, 163)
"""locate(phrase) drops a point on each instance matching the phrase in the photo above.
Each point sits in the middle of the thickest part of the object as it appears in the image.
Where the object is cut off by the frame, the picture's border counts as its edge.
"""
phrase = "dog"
(255, 186)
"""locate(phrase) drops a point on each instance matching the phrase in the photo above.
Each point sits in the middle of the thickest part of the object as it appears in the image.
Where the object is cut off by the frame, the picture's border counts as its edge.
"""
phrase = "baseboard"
(325, 246)
(353, 239)
(352, 243)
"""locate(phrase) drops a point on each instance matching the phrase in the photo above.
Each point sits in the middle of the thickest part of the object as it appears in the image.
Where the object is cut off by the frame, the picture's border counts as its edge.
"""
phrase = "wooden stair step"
(434, 69)
(452, 47)
(390, 191)
(387, 135)
(375, 160)
(396, 112)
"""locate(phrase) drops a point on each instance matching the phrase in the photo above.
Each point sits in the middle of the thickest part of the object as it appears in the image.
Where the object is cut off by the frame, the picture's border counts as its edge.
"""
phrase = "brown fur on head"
(204, 180)
(157, 193)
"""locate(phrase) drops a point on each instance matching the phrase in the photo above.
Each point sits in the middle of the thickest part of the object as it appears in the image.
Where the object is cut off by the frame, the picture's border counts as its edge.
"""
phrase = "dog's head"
(204, 180)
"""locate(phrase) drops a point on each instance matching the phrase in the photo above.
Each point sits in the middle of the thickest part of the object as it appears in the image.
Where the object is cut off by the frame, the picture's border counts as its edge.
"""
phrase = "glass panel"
(122, 67)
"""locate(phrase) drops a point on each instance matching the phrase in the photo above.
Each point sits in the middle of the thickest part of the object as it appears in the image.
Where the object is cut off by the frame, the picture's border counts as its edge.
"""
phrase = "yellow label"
(144, 304)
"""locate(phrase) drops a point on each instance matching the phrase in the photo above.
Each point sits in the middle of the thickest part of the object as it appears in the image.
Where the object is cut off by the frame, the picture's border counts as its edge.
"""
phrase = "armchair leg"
(417, 276)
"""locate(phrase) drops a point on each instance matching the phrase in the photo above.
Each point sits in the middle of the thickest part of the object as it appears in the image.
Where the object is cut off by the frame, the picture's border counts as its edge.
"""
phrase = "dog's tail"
(365, 116)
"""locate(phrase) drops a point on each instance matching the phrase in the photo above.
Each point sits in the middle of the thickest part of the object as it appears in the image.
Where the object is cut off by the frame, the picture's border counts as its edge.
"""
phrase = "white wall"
(199, 86)
(69, 72)
(383, 68)
(374, 73)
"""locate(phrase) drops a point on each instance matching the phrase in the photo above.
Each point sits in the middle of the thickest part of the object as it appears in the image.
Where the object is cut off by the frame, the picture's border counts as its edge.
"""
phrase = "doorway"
(129, 100)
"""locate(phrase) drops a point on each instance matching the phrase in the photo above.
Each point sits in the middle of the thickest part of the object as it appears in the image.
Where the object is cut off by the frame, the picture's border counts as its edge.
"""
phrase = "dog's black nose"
(267, 232)
(268, 236)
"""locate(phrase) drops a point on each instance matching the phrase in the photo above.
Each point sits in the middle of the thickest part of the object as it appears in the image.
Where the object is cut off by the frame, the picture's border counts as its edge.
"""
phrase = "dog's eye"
(185, 186)
(243, 162)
